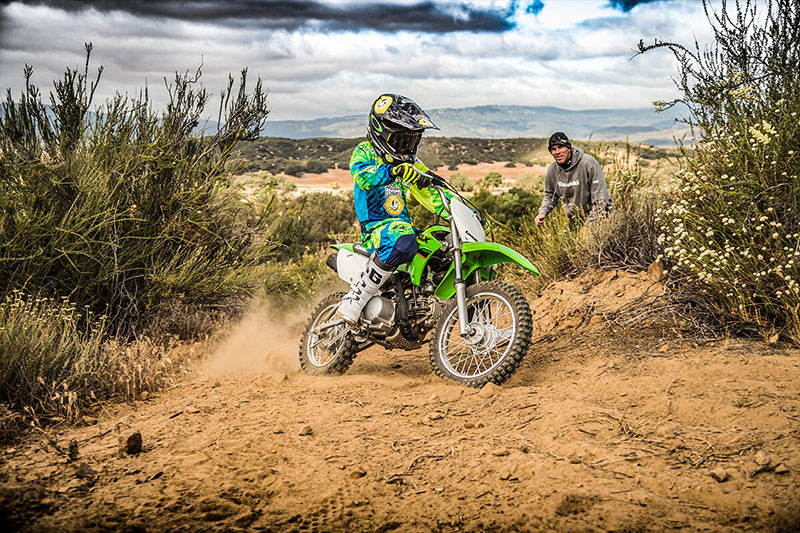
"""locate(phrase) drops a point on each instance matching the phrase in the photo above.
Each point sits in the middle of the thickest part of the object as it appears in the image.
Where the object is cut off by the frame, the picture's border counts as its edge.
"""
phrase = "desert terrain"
(612, 423)
(340, 179)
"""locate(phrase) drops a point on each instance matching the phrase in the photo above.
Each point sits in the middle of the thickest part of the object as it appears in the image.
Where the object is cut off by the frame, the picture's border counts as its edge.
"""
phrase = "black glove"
(410, 175)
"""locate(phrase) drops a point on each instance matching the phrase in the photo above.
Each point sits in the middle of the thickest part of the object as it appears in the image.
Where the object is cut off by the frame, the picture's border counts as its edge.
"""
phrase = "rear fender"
(345, 246)
(477, 255)
(349, 264)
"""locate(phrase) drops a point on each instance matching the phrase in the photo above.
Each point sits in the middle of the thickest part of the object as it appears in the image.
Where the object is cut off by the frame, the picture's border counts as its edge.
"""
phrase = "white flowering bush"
(731, 232)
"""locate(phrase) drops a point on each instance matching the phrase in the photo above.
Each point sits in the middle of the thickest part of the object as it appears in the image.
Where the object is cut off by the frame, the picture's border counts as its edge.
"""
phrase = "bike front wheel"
(500, 324)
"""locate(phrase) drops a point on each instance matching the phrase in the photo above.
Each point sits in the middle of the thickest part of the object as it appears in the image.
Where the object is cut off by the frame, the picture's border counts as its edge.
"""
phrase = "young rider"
(384, 167)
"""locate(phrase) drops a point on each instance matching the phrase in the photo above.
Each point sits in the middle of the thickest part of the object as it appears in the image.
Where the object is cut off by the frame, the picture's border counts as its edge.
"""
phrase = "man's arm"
(549, 199)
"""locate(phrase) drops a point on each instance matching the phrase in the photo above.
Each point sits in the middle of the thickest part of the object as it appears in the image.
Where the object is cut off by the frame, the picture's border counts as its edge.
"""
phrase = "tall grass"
(628, 237)
(57, 359)
(52, 355)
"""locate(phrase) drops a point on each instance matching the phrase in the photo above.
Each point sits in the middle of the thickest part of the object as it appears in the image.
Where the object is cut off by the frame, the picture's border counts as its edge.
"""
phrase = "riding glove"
(410, 175)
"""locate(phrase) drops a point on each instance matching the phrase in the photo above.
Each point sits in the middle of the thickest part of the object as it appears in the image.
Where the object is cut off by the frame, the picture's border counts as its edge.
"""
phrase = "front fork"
(461, 297)
(460, 284)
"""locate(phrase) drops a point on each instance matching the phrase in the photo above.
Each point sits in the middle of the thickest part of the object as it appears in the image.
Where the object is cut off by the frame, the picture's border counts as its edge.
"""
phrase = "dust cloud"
(265, 340)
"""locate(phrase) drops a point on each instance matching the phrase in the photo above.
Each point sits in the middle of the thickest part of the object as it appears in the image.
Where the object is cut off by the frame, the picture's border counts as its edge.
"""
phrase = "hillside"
(315, 155)
(602, 428)
(502, 122)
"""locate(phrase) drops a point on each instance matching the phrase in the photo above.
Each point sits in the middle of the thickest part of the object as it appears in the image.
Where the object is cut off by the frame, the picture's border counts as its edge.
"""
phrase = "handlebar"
(436, 180)
(439, 183)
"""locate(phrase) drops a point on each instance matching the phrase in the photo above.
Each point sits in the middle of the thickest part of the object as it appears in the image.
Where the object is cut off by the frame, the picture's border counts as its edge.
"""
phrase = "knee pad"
(403, 250)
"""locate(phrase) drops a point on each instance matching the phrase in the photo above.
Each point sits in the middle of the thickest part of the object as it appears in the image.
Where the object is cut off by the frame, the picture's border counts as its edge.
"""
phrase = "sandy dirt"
(601, 429)
(340, 179)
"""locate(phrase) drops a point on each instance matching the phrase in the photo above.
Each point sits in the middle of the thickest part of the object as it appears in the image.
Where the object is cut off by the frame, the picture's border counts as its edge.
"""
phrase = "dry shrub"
(57, 361)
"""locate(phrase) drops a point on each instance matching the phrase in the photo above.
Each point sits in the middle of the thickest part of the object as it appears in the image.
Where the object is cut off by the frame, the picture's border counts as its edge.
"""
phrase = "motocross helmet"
(395, 127)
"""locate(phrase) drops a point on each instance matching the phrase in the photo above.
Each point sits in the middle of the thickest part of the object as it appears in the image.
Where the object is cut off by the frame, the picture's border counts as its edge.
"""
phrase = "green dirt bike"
(481, 326)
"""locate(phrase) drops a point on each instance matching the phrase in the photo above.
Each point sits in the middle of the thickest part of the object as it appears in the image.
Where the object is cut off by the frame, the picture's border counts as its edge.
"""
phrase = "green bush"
(294, 168)
(316, 167)
(732, 233)
(290, 283)
(509, 208)
(126, 210)
(530, 183)
(461, 182)
(492, 180)
(308, 224)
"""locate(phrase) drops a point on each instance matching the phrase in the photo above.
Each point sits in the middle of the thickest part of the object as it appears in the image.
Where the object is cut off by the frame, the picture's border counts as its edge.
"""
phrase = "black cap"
(559, 138)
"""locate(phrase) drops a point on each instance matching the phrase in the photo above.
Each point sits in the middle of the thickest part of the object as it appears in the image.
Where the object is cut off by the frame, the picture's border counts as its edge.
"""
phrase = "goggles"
(404, 142)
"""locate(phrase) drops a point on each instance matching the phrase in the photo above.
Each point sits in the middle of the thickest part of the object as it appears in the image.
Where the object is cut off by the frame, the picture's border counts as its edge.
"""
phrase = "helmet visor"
(404, 142)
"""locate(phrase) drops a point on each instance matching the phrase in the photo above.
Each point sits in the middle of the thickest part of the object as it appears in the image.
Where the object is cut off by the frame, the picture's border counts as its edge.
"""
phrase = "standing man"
(577, 179)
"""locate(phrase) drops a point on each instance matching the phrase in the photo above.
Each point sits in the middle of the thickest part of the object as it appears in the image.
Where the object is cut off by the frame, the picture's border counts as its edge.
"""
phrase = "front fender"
(475, 255)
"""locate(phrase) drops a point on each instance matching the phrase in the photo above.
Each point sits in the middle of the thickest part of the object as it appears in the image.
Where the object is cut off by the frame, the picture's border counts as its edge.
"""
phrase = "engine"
(379, 316)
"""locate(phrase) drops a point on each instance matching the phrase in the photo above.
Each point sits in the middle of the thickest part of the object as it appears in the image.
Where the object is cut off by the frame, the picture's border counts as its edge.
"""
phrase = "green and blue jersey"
(379, 197)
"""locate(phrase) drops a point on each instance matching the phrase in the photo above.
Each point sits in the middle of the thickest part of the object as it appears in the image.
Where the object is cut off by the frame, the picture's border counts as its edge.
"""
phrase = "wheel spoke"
(327, 338)
(465, 357)
(495, 323)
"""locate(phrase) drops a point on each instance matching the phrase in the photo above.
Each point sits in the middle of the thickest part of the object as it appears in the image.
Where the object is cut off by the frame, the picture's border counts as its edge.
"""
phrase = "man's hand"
(539, 219)
(410, 175)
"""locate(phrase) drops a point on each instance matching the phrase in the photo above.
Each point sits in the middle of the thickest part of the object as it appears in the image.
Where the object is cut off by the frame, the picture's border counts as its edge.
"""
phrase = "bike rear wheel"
(501, 323)
(327, 347)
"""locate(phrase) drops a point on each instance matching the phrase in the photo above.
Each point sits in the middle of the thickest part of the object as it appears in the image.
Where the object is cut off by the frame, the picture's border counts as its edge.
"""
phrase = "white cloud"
(573, 57)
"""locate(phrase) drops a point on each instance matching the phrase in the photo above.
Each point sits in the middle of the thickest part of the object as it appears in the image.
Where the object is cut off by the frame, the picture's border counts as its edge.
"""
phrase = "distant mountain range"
(508, 121)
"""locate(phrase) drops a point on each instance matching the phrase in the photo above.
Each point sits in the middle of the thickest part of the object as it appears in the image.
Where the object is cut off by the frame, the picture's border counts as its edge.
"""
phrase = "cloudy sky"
(323, 58)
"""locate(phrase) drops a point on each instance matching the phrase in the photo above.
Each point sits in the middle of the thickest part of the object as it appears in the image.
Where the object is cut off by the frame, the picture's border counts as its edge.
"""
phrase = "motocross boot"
(372, 278)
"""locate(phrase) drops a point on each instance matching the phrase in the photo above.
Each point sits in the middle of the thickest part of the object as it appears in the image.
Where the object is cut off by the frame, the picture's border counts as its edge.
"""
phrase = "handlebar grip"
(436, 179)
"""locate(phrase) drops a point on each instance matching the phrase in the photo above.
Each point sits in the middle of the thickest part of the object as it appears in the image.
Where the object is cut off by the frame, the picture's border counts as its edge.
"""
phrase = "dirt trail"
(343, 180)
(599, 430)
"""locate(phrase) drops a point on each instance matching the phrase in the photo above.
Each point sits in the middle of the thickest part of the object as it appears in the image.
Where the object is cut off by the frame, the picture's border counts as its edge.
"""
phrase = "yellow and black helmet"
(395, 127)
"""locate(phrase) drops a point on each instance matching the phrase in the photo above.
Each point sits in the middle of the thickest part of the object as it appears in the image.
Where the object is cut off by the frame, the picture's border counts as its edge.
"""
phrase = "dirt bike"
(481, 326)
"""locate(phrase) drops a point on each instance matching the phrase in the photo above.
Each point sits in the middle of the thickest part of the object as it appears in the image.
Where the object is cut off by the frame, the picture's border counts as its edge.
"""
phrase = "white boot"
(361, 291)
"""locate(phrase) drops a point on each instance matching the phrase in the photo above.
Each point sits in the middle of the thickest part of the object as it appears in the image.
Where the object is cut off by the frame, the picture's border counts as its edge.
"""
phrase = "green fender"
(477, 255)
(346, 246)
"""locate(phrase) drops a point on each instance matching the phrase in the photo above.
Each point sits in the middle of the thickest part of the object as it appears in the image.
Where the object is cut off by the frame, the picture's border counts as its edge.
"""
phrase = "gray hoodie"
(581, 186)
